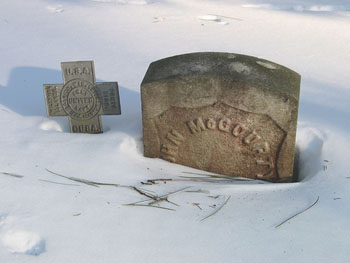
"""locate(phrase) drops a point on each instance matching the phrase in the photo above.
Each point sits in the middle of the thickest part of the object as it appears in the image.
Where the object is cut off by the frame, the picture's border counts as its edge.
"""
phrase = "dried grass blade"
(217, 210)
(145, 190)
(229, 17)
(217, 176)
(52, 182)
(151, 196)
(171, 193)
(159, 198)
(175, 204)
(12, 174)
(318, 198)
(83, 181)
(200, 191)
(160, 207)
(208, 180)
(201, 174)
(107, 184)
(201, 179)
(160, 179)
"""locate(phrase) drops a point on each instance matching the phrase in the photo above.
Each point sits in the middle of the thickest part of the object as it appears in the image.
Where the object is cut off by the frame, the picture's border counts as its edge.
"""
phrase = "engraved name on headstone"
(81, 98)
(224, 113)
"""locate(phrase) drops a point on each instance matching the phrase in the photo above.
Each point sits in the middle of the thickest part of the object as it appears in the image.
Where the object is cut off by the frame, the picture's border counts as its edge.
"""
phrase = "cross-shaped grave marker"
(81, 98)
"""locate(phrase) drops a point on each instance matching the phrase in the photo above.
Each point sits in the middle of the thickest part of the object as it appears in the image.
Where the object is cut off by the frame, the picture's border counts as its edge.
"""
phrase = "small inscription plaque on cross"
(81, 98)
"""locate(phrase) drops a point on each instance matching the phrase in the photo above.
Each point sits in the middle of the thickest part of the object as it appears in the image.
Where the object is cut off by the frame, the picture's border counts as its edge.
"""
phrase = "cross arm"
(109, 96)
(52, 100)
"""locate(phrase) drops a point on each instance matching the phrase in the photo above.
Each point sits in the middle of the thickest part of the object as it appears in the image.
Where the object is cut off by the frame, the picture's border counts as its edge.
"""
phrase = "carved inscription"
(220, 132)
(249, 138)
(81, 98)
(73, 71)
(53, 101)
(109, 102)
(196, 126)
(85, 128)
(169, 149)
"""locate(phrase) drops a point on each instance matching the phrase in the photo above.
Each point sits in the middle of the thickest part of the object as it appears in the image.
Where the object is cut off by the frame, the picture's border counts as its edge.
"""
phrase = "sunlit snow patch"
(240, 67)
(55, 9)
(322, 8)
(209, 18)
(128, 146)
(300, 8)
(131, 2)
(266, 64)
(214, 18)
(50, 126)
(24, 242)
(265, 6)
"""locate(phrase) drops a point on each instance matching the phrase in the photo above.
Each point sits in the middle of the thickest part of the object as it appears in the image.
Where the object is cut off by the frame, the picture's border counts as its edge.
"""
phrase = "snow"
(266, 64)
(24, 242)
(301, 5)
(60, 220)
(209, 18)
(240, 68)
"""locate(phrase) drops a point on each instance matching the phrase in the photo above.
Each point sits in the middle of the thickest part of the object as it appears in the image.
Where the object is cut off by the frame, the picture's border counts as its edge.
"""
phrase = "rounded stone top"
(240, 68)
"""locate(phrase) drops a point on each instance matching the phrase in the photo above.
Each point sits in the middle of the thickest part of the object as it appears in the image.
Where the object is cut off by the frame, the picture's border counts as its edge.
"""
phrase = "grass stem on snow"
(217, 210)
(289, 218)
(84, 181)
(12, 174)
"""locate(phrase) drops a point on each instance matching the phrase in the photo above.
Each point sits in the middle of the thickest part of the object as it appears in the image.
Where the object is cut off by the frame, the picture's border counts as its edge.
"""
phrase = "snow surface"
(23, 242)
(47, 218)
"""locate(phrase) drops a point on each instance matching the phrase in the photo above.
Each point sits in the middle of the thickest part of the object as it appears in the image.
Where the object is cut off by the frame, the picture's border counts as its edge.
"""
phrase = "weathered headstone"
(224, 113)
(81, 98)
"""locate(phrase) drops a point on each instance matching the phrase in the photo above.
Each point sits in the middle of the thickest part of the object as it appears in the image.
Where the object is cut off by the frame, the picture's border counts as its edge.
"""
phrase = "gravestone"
(81, 98)
(225, 113)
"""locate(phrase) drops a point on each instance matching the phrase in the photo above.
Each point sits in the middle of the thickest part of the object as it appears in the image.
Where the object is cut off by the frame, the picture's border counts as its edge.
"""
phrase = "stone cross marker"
(224, 113)
(81, 98)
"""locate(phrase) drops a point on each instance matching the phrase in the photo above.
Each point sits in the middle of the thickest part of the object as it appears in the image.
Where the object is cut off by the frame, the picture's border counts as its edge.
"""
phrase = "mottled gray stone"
(81, 98)
(224, 113)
